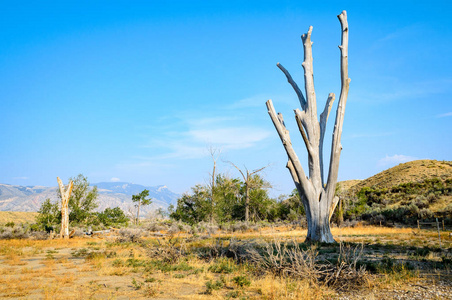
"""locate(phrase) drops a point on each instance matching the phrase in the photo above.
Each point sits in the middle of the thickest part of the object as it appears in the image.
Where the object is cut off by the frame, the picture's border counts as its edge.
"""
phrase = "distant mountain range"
(111, 194)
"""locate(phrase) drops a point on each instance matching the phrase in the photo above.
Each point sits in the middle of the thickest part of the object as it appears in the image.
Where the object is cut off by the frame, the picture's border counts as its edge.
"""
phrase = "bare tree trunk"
(214, 153)
(247, 202)
(212, 191)
(340, 217)
(138, 212)
(65, 195)
(248, 186)
(317, 196)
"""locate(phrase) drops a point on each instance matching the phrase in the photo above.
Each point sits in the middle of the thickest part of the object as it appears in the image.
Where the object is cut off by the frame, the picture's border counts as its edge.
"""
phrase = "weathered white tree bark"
(65, 195)
(316, 194)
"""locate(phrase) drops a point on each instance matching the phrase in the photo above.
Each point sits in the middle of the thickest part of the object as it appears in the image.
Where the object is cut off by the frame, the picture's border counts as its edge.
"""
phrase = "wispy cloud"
(396, 90)
(191, 136)
(254, 101)
(229, 137)
(193, 143)
(115, 179)
(389, 161)
(448, 114)
(20, 178)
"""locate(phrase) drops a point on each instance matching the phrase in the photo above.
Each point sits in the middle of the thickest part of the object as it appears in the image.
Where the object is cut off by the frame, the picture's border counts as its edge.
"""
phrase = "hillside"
(17, 217)
(111, 194)
(413, 171)
(415, 190)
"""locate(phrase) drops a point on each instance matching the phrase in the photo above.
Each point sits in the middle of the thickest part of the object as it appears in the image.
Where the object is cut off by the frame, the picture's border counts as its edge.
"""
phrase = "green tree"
(230, 200)
(195, 207)
(250, 182)
(49, 214)
(260, 203)
(229, 204)
(113, 216)
(291, 207)
(141, 200)
(83, 201)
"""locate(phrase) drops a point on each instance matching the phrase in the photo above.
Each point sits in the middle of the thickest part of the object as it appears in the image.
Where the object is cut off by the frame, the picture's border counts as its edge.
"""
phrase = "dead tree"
(317, 195)
(248, 180)
(65, 195)
(214, 154)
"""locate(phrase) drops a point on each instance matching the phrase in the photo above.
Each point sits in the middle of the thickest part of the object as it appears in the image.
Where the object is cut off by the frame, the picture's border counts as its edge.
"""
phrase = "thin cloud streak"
(397, 91)
(449, 114)
(389, 161)
(190, 137)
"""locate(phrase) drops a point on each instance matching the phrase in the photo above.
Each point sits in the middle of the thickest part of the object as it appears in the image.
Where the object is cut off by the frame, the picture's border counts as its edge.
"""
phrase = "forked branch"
(285, 139)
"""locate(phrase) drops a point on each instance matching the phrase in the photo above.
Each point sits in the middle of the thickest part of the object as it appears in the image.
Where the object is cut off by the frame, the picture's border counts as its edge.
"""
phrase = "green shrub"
(10, 224)
(241, 281)
(223, 265)
(210, 286)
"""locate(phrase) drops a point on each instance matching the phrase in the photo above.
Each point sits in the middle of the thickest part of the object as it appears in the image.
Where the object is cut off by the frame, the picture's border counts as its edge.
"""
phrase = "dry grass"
(106, 269)
(271, 287)
(412, 171)
(17, 217)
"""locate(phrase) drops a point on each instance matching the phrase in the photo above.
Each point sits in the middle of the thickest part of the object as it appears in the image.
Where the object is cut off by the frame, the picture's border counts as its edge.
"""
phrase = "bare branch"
(333, 207)
(215, 154)
(258, 170)
(294, 85)
(285, 139)
(326, 112)
(295, 178)
(323, 120)
(299, 117)
(311, 107)
(281, 120)
(61, 185)
(336, 146)
(243, 175)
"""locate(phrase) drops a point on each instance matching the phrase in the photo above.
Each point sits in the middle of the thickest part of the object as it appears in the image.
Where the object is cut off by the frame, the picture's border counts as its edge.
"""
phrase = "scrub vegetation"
(204, 249)
(166, 259)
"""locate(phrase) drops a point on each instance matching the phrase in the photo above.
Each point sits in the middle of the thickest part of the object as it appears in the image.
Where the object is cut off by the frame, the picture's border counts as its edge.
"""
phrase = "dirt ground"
(101, 268)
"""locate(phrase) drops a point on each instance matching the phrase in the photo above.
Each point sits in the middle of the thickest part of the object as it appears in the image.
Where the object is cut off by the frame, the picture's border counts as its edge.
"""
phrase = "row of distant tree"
(82, 208)
(227, 202)
(223, 200)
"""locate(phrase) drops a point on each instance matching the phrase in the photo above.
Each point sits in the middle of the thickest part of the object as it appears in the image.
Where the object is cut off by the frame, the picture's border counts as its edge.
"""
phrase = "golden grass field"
(103, 268)
(17, 217)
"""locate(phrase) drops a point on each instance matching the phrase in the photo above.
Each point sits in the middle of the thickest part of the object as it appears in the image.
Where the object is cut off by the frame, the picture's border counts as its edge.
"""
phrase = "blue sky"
(139, 91)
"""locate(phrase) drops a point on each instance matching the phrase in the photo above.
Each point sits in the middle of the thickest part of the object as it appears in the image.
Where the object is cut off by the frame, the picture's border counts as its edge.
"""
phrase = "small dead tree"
(248, 180)
(65, 195)
(316, 194)
(214, 154)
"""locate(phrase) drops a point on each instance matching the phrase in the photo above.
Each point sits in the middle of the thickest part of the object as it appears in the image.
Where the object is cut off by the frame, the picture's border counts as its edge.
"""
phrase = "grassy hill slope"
(419, 189)
(17, 217)
(413, 171)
